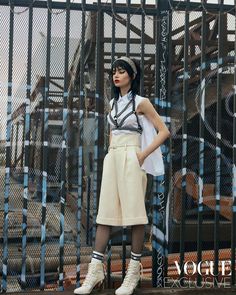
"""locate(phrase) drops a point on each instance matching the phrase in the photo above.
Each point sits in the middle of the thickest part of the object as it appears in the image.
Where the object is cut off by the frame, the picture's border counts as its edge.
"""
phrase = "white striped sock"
(97, 256)
(135, 256)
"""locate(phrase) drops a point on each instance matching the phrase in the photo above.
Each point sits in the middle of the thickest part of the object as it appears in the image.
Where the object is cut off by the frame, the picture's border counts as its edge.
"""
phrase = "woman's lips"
(117, 81)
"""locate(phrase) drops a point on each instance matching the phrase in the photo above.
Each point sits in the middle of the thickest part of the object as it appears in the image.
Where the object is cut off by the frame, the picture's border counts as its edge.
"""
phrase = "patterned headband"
(129, 62)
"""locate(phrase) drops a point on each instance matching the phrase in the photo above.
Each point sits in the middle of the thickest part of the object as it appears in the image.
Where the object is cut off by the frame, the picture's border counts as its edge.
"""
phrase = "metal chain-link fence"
(55, 89)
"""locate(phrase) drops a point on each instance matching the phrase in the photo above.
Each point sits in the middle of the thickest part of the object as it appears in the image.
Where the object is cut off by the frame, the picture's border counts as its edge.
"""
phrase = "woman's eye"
(121, 71)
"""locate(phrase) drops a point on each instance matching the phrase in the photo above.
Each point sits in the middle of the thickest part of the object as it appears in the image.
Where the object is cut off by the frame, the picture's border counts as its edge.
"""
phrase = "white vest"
(153, 164)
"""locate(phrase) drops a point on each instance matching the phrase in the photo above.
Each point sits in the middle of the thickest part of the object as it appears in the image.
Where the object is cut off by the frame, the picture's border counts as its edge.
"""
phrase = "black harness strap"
(136, 115)
(119, 126)
(124, 109)
(128, 128)
(112, 120)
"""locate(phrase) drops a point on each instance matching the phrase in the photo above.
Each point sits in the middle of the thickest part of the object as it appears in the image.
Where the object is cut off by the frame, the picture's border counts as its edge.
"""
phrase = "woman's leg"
(138, 232)
(95, 273)
(133, 272)
(103, 235)
(102, 238)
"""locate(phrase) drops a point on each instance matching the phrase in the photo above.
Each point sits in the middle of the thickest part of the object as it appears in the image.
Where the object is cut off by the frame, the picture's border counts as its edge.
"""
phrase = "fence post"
(159, 240)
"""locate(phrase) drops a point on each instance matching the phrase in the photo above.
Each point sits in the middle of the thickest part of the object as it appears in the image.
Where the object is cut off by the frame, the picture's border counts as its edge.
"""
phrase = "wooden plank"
(208, 196)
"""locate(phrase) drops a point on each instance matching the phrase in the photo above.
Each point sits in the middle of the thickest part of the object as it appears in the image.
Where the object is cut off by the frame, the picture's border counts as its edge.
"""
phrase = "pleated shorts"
(123, 187)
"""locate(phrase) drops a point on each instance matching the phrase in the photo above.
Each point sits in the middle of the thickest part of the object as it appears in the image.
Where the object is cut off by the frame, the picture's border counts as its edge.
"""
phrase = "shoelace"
(89, 277)
(91, 273)
(128, 281)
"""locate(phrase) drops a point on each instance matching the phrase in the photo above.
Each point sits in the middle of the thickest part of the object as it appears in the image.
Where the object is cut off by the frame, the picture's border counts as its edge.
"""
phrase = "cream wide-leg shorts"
(123, 187)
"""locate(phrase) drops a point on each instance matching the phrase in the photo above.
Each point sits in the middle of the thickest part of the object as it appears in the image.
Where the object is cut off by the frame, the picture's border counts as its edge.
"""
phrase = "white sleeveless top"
(153, 164)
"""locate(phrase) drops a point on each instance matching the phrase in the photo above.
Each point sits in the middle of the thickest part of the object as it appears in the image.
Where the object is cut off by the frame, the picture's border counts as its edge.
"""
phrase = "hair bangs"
(122, 64)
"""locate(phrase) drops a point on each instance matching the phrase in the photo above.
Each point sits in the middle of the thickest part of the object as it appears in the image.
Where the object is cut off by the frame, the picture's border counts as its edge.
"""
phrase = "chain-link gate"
(55, 88)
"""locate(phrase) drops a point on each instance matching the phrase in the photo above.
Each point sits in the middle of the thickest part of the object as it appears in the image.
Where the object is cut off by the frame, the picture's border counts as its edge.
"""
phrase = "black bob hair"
(119, 63)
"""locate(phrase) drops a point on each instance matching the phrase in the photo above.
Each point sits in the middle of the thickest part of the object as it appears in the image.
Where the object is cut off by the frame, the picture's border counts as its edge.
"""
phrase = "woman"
(133, 151)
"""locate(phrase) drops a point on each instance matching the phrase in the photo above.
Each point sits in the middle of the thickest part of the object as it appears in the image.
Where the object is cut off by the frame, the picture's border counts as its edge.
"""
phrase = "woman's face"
(121, 78)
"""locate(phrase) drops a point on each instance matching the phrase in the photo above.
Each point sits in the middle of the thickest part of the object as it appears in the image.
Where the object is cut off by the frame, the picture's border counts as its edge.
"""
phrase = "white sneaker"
(95, 276)
(131, 279)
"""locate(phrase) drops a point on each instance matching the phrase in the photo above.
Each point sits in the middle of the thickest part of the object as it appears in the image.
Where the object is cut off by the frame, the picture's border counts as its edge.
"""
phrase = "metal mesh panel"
(61, 230)
(192, 179)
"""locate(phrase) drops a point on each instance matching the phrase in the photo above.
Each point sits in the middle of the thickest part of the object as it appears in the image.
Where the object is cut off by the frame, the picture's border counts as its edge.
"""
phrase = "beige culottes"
(123, 187)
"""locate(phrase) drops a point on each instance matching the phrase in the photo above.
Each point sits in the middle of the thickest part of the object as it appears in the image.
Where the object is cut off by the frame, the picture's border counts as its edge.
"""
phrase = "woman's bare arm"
(147, 109)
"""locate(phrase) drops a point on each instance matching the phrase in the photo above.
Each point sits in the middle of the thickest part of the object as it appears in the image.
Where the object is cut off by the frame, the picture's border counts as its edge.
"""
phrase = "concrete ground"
(159, 291)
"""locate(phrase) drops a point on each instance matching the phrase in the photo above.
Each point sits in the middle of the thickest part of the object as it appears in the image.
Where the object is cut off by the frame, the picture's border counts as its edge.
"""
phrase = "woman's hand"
(140, 157)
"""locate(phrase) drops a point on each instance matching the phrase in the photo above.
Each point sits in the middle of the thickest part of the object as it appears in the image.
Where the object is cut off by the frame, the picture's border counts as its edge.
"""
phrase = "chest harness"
(119, 126)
